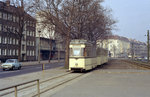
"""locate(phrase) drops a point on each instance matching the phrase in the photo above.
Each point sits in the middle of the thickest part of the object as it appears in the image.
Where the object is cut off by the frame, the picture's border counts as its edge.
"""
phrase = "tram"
(85, 56)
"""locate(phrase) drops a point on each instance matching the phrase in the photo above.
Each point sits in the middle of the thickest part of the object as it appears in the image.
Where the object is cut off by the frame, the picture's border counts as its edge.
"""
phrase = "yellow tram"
(85, 56)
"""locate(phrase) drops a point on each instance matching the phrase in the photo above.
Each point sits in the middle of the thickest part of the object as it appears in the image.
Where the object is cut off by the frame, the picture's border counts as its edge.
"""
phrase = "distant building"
(47, 31)
(122, 47)
(8, 36)
(50, 41)
(137, 49)
(116, 45)
(49, 47)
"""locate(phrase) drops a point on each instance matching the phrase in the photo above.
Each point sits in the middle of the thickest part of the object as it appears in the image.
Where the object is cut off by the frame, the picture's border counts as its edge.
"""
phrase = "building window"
(5, 52)
(27, 53)
(5, 28)
(10, 17)
(0, 39)
(4, 16)
(30, 33)
(5, 40)
(17, 52)
(13, 41)
(0, 14)
(0, 52)
(23, 47)
(33, 43)
(17, 19)
(33, 52)
(14, 52)
(14, 18)
(30, 53)
(0, 27)
(10, 52)
(17, 41)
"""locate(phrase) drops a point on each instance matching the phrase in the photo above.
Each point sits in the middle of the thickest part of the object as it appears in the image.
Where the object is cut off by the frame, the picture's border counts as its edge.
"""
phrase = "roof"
(12, 9)
(117, 38)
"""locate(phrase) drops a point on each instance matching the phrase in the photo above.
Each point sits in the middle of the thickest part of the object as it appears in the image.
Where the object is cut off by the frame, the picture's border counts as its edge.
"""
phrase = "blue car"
(11, 64)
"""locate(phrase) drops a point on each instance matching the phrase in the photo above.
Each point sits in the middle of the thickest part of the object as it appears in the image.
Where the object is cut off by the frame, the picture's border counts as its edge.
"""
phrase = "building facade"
(49, 48)
(122, 47)
(137, 49)
(117, 46)
(9, 38)
(50, 41)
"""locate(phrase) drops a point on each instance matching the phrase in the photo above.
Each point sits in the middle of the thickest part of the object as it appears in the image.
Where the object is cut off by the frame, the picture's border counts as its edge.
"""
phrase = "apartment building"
(9, 39)
(116, 45)
(49, 41)
(138, 49)
(122, 47)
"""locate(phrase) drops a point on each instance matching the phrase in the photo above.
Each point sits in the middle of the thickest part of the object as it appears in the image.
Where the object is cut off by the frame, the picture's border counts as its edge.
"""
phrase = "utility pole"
(39, 47)
(59, 51)
(147, 45)
(132, 51)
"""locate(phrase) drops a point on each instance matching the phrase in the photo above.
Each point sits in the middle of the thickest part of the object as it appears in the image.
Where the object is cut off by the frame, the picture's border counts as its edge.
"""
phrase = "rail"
(15, 86)
(35, 84)
(138, 63)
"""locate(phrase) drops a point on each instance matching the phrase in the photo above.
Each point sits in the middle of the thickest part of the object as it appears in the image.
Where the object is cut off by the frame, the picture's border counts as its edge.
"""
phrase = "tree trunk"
(67, 52)
(19, 50)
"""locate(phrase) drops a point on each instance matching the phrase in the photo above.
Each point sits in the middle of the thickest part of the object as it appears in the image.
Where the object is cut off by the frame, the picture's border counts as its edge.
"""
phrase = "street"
(28, 69)
(116, 78)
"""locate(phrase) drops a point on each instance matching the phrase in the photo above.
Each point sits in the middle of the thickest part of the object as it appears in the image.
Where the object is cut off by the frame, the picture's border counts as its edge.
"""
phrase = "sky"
(133, 17)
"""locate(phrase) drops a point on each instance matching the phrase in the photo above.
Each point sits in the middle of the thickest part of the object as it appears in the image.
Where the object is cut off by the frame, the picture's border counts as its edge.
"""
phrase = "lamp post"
(147, 45)
(39, 54)
(58, 51)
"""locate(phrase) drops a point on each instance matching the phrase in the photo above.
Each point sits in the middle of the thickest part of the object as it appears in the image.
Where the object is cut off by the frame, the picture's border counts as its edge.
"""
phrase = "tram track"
(59, 84)
(45, 85)
(139, 64)
(31, 85)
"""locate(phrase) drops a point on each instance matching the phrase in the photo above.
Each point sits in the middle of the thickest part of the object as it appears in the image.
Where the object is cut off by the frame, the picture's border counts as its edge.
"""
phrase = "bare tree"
(75, 19)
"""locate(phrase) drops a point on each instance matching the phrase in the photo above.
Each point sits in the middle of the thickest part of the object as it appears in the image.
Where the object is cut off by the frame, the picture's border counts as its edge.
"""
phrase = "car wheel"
(19, 67)
(13, 68)
(3, 69)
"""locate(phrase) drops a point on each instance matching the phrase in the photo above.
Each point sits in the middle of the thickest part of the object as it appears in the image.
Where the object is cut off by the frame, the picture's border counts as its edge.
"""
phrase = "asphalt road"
(28, 69)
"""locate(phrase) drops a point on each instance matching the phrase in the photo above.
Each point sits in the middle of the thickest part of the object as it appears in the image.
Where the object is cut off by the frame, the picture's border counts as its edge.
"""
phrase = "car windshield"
(10, 61)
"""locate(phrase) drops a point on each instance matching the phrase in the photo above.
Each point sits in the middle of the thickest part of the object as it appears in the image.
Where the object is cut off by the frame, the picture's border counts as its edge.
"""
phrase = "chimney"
(7, 2)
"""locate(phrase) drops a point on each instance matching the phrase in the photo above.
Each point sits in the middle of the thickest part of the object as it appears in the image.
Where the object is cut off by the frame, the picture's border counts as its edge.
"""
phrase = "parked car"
(11, 64)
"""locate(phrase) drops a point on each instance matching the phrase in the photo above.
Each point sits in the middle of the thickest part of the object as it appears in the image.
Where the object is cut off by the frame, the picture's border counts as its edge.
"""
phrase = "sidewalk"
(41, 62)
(41, 75)
(109, 83)
(36, 62)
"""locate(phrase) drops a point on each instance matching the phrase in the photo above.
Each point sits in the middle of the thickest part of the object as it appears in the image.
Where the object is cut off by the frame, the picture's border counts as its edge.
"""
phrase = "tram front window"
(76, 52)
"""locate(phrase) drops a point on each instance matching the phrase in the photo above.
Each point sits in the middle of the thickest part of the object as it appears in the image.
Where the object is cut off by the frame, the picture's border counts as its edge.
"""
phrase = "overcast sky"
(133, 17)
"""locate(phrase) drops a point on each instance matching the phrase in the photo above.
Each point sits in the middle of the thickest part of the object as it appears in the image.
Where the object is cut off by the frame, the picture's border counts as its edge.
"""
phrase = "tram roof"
(80, 41)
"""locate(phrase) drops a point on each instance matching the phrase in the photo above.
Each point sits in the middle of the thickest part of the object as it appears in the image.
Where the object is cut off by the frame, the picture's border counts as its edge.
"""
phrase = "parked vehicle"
(11, 64)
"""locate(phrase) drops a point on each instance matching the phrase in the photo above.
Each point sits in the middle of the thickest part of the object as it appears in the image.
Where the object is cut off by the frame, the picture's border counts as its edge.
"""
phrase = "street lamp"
(39, 47)
(58, 51)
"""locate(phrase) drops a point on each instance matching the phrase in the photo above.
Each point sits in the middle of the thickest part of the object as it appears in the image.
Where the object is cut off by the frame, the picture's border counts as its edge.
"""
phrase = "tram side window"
(87, 52)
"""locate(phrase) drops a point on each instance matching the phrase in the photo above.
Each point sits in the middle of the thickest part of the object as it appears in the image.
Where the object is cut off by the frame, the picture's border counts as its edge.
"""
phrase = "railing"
(15, 86)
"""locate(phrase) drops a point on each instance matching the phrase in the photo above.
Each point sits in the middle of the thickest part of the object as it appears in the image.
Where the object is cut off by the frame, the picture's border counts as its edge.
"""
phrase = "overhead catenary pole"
(147, 45)
(39, 54)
